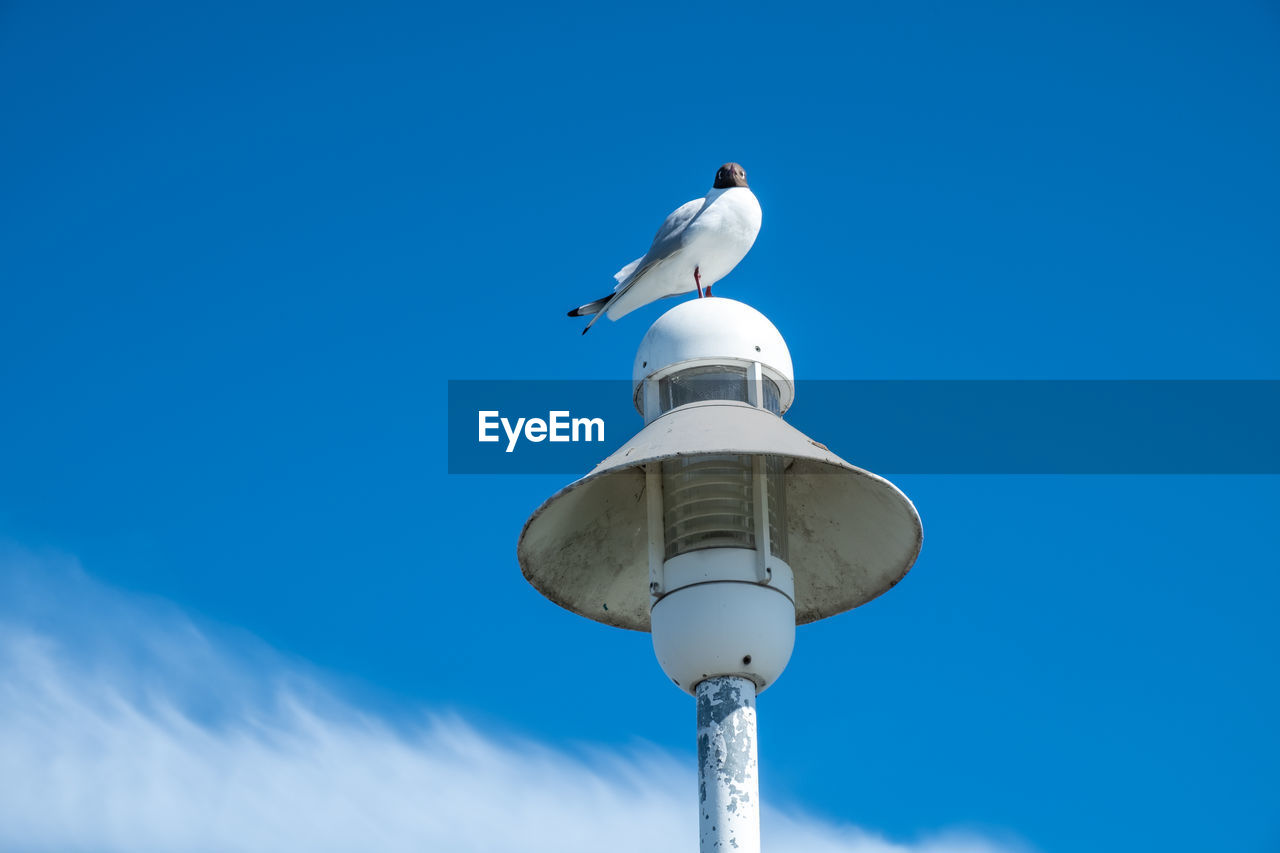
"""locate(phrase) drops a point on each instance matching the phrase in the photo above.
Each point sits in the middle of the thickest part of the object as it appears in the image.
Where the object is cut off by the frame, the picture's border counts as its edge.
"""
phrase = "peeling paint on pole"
(729, 788)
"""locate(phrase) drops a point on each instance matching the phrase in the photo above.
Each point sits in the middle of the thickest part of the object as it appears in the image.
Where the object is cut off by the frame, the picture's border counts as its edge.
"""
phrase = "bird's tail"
(590, 307)
(596, 308)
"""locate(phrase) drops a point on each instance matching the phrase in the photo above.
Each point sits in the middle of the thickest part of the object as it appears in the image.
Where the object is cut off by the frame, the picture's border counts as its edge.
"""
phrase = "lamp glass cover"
(713, 382)
(695, 384)
(707, 503)
(776, 489)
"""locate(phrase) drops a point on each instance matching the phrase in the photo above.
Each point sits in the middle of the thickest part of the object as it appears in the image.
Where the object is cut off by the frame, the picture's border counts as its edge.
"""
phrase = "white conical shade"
(853, 535)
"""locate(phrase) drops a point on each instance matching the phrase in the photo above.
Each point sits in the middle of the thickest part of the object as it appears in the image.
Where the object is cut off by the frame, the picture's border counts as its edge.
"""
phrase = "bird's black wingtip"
(587, 329)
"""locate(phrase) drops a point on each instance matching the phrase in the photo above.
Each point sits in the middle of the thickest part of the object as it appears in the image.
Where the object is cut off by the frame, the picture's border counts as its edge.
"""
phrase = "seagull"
(701, 241)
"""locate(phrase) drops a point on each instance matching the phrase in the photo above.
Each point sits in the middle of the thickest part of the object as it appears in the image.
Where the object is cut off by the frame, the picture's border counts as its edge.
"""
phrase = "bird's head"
(730, 175)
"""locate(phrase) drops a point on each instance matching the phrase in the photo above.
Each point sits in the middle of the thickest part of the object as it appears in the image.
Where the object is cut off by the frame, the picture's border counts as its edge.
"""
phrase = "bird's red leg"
(697, 281)
(708, 290)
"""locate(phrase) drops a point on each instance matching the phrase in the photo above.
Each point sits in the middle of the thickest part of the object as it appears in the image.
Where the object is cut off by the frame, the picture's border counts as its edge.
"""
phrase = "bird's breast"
(723, 233)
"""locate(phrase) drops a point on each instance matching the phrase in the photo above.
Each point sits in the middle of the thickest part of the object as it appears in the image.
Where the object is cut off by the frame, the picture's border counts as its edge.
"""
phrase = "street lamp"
(719, 528)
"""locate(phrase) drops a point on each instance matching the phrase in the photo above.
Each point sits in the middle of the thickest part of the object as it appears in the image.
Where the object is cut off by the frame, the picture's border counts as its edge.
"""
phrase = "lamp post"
(718, 528)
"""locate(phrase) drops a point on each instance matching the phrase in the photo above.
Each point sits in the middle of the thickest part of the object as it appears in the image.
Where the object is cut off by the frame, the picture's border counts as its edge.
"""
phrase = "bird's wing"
(671, 236)
(626, 272)
(636, 275)
(667, 242)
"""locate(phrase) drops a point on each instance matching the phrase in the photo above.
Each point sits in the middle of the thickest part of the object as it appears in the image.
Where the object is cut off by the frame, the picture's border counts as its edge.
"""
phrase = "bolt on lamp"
(719, 528)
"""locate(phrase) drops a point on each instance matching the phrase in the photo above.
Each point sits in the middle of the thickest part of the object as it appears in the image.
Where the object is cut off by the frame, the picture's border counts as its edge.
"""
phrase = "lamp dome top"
(714, 330)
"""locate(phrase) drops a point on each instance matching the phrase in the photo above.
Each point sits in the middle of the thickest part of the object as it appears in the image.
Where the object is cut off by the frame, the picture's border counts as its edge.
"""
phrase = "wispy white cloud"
(124, 726)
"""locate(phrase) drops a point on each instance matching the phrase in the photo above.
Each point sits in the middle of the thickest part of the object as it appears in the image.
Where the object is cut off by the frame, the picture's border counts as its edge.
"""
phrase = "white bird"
(696, 247)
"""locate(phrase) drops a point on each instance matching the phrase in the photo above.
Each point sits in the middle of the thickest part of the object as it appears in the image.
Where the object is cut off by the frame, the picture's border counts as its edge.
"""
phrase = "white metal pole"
(729, 789)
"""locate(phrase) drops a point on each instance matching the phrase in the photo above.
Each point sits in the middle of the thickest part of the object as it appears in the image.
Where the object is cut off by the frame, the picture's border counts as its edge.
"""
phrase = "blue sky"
(244, 247)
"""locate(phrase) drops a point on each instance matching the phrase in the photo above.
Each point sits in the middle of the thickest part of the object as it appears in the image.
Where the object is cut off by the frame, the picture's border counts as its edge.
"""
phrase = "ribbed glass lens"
(776, 488)
(707, 503)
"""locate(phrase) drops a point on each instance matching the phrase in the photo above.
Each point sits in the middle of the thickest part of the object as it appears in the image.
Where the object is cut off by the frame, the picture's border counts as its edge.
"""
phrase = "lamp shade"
(852, 535)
